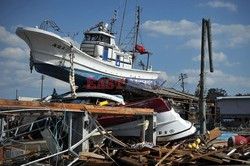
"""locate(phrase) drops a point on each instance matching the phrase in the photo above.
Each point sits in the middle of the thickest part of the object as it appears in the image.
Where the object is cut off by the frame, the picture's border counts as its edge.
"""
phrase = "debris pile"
(202, 150)
(193, 150)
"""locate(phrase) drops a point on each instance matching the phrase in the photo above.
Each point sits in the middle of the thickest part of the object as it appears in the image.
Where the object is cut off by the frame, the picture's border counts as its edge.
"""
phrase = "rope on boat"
(72, 74)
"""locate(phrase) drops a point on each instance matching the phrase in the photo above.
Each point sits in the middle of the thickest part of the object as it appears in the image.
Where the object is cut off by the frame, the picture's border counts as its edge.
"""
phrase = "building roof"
(173, 93)
(232, 97)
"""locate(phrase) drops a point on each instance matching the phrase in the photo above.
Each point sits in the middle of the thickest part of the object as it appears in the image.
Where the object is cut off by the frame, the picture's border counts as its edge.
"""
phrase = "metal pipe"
(35, 161)
(143, 128)
(147, 61)
(70, 130)
(75, 160)
(84, 139)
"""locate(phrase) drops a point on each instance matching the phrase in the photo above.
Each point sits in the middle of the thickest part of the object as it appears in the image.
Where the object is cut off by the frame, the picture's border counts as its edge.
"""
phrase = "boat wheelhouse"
(101, 45)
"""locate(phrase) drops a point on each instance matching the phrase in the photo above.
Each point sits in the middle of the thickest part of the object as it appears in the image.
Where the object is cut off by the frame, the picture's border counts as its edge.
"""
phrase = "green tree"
(215, 92)
(239, 94)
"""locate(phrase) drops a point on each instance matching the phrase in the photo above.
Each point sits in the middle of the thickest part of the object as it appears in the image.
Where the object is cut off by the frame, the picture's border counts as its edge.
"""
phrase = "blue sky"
(170, 29)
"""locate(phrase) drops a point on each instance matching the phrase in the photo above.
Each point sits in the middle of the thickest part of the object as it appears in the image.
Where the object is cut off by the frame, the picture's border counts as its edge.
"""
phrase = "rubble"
(193, 150)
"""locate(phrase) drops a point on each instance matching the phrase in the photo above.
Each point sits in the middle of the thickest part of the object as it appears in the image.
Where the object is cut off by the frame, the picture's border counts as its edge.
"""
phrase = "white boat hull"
(170, 126)
(50, 55)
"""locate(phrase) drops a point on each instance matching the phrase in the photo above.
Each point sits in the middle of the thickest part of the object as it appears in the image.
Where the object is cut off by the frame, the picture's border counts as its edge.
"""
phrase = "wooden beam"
(170, 152)
(207, 154)
(213, 159)
(74, 107)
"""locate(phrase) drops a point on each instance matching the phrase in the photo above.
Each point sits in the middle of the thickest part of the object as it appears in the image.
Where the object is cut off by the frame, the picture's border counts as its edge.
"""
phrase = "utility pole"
(182, 77)
(206, 28)
(16, 94)
(42, 78)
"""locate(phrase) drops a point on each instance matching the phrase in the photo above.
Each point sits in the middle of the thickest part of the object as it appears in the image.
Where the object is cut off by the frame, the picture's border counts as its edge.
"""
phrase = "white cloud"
(171, 28)
(218, 57)
(14, 53)
(217, 79)
(164, 76)
(193, 76)
(193, 43)
(13, 64)
(196, 43)
(234, 34)
(10, 38)
(220, 4)
(170, 80)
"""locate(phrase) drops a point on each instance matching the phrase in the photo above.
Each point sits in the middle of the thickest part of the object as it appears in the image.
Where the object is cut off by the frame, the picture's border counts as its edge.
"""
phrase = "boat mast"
(137, 25)
(113, 20)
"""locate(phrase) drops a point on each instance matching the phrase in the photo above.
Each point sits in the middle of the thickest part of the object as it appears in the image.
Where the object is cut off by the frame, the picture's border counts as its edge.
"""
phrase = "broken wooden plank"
(90, 154)
(213, 159)
(224, 157)
(139, 153)
(207, 154)
(108, 156)
(212, 134)
(130, 161)
(74, 107)
(177, 151)
(96, 162)
(171, 151)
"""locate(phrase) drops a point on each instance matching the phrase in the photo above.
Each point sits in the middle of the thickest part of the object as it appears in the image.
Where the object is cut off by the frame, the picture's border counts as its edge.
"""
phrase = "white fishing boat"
(98, 56)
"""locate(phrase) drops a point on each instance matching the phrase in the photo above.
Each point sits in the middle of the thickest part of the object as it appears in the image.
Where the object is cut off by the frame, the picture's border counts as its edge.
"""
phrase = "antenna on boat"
(137, 25)
(47, 24)
(113, 20)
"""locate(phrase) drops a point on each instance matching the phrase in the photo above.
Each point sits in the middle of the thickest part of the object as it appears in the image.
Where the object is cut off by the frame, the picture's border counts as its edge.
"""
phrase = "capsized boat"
(98, 57)
(170, 126)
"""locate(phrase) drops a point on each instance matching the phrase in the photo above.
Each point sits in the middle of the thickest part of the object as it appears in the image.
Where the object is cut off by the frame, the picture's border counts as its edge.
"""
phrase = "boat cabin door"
(105, 53)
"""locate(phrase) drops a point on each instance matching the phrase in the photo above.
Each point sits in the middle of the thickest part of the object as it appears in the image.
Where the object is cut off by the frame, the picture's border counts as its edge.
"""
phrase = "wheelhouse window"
(97, 37)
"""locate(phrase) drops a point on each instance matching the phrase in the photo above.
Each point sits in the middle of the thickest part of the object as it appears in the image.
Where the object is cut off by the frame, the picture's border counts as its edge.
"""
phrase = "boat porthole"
(166, 132)
(159, 132)
(171, 131)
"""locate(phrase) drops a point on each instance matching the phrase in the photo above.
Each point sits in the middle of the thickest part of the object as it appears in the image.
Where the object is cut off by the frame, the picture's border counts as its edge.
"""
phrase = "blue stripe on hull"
(62, 73)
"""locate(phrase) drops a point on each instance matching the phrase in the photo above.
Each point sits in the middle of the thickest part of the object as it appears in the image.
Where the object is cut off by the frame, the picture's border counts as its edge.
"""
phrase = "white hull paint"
(170, 126)
(51, 49)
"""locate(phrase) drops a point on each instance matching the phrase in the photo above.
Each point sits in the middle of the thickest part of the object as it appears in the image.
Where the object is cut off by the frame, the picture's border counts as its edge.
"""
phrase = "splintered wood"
(198, 151)
(179, 154)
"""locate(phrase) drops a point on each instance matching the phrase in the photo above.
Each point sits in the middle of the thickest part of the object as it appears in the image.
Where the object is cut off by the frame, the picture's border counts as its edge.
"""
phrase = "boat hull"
(50, 54)
(170, 126)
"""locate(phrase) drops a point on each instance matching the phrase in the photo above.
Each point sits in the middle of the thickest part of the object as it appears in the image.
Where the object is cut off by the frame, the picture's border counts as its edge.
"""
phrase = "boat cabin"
(101, 45)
